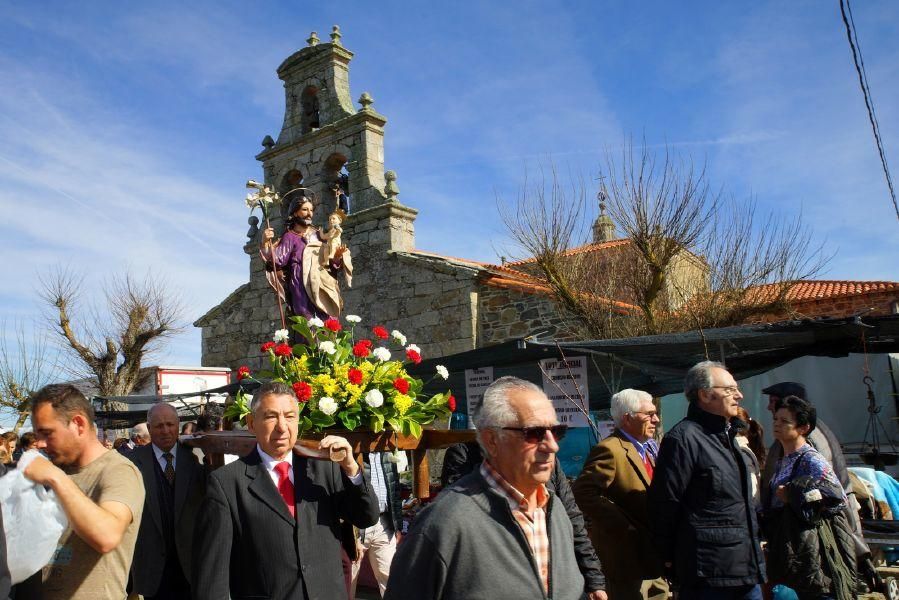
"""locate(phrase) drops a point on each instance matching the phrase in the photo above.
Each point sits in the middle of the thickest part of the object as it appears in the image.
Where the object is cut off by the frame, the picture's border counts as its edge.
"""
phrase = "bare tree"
(545, 223)
(110, 344)
(691, 258)
(27, 364)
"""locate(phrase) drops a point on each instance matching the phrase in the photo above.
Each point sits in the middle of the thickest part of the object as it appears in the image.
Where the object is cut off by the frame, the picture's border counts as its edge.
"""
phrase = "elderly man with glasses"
(700, 506)
(611, 491)
(498, 532)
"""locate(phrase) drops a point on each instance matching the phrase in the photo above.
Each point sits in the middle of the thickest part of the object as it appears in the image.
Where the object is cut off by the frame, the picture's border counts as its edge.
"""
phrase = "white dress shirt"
(161, 460)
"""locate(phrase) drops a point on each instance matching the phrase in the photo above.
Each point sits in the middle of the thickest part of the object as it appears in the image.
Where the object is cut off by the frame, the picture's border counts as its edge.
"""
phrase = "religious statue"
(309, 264)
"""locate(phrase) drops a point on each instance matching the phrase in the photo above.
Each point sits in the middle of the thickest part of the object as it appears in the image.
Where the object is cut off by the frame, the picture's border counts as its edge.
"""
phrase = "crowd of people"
(643, 520)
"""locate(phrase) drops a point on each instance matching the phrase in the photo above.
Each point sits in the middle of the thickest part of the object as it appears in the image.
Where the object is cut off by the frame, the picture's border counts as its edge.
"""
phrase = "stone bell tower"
(324, 139)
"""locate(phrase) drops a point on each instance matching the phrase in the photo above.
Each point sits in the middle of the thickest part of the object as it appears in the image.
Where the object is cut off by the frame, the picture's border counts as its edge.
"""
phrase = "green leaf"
(414, 429)
(302, 327)
(349, 421)
(395, 424)
(320, 419)
(376, 422)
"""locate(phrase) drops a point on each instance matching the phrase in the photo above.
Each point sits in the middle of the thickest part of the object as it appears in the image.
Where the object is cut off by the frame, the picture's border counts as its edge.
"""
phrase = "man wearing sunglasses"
(611, 491)
(498, 531)
(700, 505)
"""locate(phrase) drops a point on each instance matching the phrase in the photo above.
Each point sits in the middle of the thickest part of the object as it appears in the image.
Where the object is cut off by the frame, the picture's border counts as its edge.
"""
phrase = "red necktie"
(285, 486)
(648, 464)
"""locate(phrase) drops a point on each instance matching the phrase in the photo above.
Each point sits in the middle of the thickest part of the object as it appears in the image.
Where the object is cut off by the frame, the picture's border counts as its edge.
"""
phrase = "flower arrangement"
(344, 379)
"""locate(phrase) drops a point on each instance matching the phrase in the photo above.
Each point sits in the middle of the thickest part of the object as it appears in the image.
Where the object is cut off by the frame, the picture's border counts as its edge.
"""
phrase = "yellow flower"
(402, 402)
(366, 367)
(354, 392)
(328, 384)
(340, 372)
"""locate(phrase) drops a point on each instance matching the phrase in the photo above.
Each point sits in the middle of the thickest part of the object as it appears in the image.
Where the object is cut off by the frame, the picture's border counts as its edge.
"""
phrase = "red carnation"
(355, 376)
(413, 356)
(283, 350)
(365, 343)
(380, 332)
(303, 391)
(451, 402)
(267, 346)
(401, 385)
(332, 324)
(243, 373)
(361, 350)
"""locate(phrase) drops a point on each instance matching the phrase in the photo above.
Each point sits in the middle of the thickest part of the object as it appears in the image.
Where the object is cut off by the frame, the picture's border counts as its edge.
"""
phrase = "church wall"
(506, 314)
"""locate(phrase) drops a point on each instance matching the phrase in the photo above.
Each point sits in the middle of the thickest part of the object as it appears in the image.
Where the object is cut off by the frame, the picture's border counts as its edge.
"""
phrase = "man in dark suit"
(175, 485)
(269, 527)
(611, 491)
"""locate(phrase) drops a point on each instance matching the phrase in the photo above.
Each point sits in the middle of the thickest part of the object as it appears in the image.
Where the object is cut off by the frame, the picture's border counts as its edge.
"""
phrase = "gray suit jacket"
(249, 546)
(190, 488)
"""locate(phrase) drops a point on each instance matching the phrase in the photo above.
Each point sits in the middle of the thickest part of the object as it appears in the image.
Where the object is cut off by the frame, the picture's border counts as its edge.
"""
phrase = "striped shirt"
(532, 525)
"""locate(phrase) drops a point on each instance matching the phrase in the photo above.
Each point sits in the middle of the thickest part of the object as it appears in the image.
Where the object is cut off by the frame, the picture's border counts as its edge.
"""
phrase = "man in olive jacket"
(611, 491)
(701, 513)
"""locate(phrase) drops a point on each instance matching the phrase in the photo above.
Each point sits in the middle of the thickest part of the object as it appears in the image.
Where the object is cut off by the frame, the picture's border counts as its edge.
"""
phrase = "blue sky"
(128, 129)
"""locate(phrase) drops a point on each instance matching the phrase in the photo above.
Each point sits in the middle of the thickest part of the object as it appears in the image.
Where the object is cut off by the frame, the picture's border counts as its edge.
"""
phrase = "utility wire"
(852, 35)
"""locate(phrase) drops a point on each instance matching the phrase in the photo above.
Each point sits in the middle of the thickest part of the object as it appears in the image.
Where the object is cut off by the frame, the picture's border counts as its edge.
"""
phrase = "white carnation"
(327, 347)
(282, 335)
(316, 322)
(442, 371)
(399, 337)
(413, 347)
(374, 398)
(353, 318)
(327, 405)
(381, 353)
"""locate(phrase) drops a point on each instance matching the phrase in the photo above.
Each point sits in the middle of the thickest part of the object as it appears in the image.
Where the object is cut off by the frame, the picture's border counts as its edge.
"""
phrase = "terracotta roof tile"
(810, 291)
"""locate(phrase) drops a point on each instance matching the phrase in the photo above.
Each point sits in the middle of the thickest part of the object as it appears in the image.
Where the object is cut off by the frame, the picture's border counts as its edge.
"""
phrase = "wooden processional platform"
(218, 443)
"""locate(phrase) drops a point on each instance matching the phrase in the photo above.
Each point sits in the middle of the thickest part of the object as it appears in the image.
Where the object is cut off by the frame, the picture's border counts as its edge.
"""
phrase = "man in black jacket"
(268, 527)
(462, 459)
(175, 484)
(700, 504)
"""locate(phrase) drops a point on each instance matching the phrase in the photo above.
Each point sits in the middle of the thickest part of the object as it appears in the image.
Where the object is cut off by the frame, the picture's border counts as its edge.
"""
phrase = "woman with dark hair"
(810, 547)
(751, 440)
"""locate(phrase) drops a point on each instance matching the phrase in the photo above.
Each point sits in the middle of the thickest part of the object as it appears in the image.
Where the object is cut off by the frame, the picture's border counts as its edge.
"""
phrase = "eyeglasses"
(650, 414)
(730, 390)
(535, 435)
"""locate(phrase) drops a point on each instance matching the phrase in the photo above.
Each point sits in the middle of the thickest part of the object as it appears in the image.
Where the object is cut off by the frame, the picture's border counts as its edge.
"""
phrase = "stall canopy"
(658, 363)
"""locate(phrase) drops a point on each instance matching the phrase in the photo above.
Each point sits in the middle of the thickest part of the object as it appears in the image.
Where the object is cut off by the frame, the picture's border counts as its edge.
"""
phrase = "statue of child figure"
(332, 236)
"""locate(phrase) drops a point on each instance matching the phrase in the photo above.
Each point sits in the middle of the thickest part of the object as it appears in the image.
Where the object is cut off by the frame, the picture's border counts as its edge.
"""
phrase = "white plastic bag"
(33, 521)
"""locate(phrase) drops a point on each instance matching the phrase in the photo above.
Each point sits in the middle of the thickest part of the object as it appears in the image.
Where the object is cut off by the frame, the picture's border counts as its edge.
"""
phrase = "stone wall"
(506, 313)
(431, 300)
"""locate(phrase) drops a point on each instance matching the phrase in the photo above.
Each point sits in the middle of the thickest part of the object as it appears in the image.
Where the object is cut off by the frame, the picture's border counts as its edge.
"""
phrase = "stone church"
(443, 304)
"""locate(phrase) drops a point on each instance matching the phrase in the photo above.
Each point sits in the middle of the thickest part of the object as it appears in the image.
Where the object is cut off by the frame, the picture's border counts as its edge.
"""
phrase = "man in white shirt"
(268, 526)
